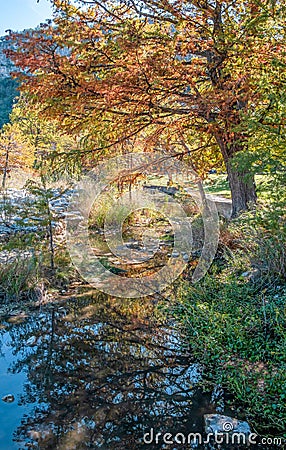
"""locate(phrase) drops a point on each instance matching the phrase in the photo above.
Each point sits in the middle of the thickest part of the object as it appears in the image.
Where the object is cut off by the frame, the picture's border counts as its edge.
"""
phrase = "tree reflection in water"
(101, 375)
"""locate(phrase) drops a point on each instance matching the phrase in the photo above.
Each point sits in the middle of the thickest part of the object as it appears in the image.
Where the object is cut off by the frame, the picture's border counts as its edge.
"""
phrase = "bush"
(235, 317)
(239, 332)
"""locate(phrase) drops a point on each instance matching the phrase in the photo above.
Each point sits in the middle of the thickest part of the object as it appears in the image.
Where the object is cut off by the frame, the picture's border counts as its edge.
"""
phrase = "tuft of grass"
(18, 279)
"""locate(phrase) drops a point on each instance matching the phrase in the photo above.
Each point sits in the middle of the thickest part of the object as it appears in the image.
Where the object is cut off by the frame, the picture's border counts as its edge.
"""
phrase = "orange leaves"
(114, 70)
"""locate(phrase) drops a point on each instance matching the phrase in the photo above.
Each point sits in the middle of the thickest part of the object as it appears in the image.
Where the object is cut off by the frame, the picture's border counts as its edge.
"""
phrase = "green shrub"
(235, 318)
(239, 332)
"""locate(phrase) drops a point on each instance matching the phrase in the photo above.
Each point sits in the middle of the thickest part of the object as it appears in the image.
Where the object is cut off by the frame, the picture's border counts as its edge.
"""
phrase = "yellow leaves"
(20, 151)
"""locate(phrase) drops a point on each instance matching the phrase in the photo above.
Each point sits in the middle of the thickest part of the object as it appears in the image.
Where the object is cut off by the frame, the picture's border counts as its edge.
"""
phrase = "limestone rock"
(217, 423)
(8, 398)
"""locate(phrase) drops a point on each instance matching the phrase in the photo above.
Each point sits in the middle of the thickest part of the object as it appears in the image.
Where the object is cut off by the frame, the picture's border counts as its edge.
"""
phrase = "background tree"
(8, 93)
(15, 151)
(160, 70)
(8, 86)
(27, 145)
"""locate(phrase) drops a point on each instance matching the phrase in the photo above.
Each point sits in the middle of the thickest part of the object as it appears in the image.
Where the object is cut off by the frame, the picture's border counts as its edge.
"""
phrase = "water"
(93, 372)
(11, 413)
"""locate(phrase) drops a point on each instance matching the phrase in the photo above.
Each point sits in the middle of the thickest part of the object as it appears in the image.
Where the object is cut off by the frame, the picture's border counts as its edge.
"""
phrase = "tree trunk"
(242, 186)
(241, 182)
(5, 170)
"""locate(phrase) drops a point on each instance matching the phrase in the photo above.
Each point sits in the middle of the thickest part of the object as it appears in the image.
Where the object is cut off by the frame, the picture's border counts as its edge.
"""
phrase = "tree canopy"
(162, 71)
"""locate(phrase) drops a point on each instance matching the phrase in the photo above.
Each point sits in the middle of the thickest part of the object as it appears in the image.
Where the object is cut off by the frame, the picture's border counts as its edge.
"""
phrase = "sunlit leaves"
(149, 68)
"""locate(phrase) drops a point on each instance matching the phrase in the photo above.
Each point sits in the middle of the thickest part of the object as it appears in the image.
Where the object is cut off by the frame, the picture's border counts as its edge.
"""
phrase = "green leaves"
(240, 341)
(8, 92)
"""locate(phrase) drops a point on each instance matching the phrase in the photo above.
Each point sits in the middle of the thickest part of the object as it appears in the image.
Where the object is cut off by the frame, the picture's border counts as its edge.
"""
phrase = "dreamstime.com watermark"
(226, 438)
(91, 191)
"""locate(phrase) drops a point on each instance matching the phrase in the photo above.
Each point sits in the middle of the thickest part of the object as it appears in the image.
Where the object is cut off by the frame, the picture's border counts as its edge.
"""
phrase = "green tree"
(8, 92)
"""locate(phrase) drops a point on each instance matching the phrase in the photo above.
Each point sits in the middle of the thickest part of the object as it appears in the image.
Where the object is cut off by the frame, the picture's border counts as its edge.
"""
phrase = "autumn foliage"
(160, 73)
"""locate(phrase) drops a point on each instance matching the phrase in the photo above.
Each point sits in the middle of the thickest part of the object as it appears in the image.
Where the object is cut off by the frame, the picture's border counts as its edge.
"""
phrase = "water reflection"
(100, 374)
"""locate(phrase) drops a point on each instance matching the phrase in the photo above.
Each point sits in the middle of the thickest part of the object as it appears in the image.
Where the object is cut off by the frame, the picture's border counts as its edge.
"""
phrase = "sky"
(20, 14)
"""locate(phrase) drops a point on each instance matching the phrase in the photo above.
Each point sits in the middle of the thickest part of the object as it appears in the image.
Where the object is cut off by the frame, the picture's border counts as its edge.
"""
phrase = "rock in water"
(216, 423)
(8, 398)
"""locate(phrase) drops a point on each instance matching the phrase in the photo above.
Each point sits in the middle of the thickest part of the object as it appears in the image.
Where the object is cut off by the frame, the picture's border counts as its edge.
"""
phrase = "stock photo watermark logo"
(90, 191)
(227, 437)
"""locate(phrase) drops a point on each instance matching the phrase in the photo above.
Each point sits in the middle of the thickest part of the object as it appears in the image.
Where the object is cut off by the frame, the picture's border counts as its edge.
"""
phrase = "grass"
(18, 279)
(217, 184)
